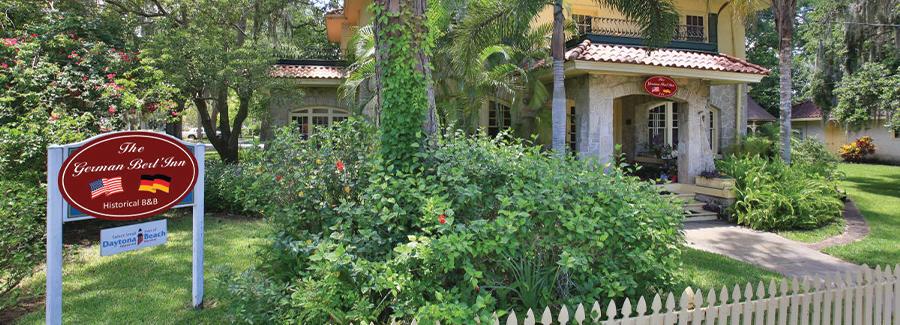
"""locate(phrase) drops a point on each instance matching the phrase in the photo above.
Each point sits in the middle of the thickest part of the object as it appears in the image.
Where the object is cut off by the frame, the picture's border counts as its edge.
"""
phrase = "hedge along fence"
(869, 297)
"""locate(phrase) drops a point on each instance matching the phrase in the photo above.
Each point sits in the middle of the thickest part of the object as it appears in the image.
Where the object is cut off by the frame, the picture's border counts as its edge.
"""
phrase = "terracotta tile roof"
(755, 112)
(600, 52)
(806, 110)
(307, 71)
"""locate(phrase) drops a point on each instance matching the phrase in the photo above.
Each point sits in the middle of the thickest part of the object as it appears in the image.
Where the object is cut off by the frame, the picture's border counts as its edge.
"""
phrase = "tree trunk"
(557, 49)
(430, 124)
(785, 11)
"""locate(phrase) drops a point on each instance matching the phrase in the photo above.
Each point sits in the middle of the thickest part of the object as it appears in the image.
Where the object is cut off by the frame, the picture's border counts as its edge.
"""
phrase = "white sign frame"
(58, 211)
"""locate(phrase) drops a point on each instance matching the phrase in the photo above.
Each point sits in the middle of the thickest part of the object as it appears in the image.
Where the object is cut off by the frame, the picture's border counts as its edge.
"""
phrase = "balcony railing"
(629, 28)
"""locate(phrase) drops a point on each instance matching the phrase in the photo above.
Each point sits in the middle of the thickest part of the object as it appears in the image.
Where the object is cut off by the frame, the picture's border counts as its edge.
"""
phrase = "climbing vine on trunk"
(400, 40)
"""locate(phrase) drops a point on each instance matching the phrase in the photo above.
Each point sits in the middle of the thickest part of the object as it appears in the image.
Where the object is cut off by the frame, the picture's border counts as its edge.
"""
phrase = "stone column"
(694, 154)
(594, 110)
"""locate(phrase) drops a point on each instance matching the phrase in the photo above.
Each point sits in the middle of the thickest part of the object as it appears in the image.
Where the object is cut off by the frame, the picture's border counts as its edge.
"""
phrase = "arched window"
(662, 124)
(713, 121)
(307, 119)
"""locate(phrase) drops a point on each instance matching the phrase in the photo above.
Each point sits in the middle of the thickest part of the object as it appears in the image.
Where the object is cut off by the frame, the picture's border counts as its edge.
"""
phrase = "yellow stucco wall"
(730, 31)
(731, 37)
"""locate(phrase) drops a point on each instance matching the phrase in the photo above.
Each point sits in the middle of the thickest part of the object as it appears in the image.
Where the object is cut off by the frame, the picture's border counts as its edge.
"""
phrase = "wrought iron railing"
(629, 28)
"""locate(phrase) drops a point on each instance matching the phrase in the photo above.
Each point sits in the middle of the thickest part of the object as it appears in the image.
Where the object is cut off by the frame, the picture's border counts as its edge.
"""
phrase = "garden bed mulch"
(855, 229)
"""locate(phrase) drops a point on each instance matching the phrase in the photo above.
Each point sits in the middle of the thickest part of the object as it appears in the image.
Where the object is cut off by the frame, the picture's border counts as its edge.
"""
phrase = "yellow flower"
(300, 194)
(347, 189)
(318, 161)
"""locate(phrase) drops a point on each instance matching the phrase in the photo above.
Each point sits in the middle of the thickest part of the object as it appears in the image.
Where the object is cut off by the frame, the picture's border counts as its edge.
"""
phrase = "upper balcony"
(692, 36)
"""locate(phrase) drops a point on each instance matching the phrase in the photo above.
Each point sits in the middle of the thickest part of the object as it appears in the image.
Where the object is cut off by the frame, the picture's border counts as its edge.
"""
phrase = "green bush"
(486, 224)
(772, 195)
(22, 211)
(813, 155)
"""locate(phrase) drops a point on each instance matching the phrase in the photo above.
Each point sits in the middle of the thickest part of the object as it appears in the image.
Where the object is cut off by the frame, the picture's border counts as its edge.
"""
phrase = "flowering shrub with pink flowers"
(485, 224)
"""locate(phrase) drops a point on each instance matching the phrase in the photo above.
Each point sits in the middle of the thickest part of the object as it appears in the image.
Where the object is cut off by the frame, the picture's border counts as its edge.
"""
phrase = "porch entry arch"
(308, 118)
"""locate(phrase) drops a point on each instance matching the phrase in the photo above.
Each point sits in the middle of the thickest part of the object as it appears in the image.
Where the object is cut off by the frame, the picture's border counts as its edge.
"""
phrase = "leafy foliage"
(485, 224)
(22, 211)
(857, 151)
(872, 93)
(772, 195)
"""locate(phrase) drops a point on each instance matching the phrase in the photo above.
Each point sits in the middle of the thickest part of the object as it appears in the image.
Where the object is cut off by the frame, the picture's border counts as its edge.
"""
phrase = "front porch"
(610, 108)
(615, 110)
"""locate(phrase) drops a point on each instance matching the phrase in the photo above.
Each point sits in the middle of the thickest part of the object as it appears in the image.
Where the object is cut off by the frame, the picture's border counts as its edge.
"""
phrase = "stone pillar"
(694, 154)
(594, 113)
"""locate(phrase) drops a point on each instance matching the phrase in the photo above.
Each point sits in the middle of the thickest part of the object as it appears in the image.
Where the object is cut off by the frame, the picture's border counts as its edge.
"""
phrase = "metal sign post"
(59, 212)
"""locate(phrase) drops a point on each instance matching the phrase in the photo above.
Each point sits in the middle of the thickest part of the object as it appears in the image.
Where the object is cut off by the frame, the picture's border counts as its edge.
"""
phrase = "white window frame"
(714, 132)
(670, 124)
(309, 113)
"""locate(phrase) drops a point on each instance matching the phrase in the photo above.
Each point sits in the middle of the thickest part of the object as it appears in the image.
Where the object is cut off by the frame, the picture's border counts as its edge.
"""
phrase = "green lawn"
(815, 235)
(876, 191)
(706, 271)
(153, 285)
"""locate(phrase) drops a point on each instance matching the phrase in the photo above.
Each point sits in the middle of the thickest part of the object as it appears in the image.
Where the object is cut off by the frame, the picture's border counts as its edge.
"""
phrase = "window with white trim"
(499, 118)
(662, 124)
(571, 136)
(307, 119)
(713, 122)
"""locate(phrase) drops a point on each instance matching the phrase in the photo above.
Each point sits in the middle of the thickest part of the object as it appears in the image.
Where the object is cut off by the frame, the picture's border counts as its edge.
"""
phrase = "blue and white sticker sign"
(132, 237)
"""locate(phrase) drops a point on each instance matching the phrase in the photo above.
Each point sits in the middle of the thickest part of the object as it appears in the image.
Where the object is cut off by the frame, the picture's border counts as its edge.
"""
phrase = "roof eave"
(714, 76)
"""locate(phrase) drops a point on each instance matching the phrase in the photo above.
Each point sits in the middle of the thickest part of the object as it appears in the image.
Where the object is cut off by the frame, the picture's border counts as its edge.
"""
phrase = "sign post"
(197, 237)
(127, 175)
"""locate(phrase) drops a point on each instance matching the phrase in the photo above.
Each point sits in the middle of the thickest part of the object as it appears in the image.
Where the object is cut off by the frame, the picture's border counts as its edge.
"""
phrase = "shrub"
(857, 151)
(772, 195)
(813, 155)
(22, 211)
(486, 224)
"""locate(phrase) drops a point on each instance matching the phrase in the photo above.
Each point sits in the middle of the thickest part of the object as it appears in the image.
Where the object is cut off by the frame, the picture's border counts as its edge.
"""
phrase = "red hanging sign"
(128, 175)
(660, 86)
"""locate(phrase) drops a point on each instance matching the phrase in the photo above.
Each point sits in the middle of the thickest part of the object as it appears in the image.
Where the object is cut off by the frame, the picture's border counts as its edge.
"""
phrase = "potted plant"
(714, 179)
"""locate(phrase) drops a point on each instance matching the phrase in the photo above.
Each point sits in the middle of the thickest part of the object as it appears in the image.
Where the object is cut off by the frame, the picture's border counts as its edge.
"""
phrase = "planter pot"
(716, 182)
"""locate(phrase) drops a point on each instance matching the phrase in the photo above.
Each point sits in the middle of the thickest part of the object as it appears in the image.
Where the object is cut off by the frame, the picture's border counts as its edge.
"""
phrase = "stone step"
(700, 216)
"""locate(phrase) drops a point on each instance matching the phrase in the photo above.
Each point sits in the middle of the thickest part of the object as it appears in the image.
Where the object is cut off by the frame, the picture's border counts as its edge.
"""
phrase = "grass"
(707, 271)
(152, 285)
(815, 235)
(876, 191)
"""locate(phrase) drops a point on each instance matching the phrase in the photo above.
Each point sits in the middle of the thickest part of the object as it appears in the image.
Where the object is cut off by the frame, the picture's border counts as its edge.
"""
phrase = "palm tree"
(785, 12)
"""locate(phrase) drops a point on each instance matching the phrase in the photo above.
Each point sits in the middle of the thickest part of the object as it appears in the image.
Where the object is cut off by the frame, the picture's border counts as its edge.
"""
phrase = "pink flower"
(112, 109)
(4, 65)
(54, 117)
(33, 35)
(84, 78)
(10, 41)
(442, 219)
(340, 166)
(110, 76)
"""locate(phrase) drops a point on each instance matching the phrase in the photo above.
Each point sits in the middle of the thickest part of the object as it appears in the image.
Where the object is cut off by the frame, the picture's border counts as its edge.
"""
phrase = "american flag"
(107, 186)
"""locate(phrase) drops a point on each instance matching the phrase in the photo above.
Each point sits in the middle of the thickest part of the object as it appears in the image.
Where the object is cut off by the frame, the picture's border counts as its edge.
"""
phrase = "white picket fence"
(867, 297)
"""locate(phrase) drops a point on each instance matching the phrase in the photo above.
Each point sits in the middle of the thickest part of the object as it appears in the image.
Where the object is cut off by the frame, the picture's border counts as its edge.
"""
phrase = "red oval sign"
(128, 175)
(660, 86)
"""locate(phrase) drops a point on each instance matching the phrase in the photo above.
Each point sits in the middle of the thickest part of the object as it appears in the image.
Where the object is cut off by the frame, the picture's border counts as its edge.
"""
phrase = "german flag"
(153, 183)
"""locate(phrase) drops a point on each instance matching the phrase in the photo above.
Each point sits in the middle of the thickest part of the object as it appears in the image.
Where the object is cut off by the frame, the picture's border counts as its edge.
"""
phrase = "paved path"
(855, 229)
(764, 249)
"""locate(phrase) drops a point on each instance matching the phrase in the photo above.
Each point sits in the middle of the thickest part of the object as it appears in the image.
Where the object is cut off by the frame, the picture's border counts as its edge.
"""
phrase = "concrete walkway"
(855, 229)
(763, 249)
